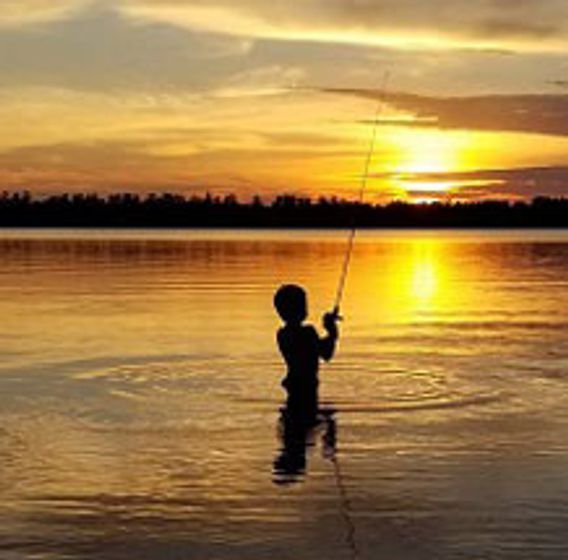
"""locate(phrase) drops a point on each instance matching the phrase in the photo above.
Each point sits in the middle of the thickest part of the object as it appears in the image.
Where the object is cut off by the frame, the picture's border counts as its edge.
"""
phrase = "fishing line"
(346, 511)
(362, 189)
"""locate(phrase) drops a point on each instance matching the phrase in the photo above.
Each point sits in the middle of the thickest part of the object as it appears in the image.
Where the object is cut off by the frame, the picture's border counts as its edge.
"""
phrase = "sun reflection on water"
(425, 275)
(421, 276)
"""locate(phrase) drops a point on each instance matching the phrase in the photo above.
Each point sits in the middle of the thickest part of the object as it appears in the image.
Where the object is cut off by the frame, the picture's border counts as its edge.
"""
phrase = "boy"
(301, 348)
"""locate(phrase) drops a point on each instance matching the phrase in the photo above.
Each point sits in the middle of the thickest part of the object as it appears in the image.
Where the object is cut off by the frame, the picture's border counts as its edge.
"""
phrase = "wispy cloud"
(519, 182)
(522, 24)
(102, 141)
(99, 50)
(101, 46)
(539, 114)
(18, 13)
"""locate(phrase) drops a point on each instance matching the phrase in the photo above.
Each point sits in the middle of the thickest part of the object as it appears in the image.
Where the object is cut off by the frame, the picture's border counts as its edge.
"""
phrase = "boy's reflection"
(297, 432)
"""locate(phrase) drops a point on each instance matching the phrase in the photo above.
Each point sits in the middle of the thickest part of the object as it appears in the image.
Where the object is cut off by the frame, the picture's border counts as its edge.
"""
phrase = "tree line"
(21, 209)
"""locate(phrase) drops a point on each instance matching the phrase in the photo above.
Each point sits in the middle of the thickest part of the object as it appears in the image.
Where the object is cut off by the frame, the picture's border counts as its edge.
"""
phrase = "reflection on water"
(297, 435)
(139, 387)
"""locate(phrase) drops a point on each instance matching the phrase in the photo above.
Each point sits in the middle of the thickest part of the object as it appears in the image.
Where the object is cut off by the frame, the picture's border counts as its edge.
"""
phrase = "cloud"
(98, 49)
(85, 141)
(267, 80)
(520, 182)
(537, 113)
(520, 24)
(100, 46)
(558, 174)
(155, 165)
(17, 13)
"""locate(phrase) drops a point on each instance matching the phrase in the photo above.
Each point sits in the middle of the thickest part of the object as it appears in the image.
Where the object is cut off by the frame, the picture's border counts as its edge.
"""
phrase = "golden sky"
(249, 96)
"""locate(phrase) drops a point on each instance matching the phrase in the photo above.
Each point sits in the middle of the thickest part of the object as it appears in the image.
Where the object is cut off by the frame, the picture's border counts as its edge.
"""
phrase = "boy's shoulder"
(303, 330)
(309, 330)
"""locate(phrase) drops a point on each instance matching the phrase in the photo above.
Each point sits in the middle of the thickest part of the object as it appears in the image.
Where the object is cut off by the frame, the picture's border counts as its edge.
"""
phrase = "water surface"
(139, 390)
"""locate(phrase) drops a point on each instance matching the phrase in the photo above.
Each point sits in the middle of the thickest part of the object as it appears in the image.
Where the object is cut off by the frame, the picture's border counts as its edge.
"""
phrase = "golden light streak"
(419, 279)
(231, 20)
(425, 277)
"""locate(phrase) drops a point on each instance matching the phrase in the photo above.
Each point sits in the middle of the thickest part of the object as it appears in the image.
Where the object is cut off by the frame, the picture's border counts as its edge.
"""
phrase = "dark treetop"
(286, 211)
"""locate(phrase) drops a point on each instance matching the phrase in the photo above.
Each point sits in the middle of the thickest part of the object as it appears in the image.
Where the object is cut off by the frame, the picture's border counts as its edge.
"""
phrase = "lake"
(140, 397)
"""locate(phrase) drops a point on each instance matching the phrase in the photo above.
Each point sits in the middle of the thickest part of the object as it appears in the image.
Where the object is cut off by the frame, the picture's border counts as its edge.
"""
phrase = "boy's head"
(290, 302)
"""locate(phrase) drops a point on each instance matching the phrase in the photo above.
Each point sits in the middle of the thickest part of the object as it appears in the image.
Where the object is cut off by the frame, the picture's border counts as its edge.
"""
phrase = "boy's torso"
(299, 346)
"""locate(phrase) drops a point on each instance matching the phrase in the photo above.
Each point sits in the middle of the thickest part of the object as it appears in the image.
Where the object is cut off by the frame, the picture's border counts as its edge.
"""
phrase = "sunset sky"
(257, 96)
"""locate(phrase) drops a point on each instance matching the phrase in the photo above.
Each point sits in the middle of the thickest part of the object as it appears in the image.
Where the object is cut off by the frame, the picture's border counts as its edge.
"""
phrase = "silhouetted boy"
(302, 349)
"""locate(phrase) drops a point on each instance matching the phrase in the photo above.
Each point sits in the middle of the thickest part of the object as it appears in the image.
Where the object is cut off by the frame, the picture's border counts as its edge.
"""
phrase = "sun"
(421, 158)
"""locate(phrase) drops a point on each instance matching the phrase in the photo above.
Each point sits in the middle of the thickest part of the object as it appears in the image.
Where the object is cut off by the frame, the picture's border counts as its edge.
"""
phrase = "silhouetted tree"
(21, 209)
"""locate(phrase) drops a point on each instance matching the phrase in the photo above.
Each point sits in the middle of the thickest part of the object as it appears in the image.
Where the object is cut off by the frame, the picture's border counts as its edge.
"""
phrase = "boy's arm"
(327, 344)
(283, 345)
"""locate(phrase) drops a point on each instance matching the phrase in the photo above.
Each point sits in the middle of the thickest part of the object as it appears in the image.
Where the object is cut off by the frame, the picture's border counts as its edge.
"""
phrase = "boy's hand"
(329, 321)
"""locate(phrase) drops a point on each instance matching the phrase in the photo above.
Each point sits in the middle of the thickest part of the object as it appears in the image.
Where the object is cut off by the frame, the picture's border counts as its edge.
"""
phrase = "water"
(139, 387)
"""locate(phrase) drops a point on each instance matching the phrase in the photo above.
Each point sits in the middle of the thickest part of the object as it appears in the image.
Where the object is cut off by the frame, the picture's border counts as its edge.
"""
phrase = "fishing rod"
(360, 198)
(344, 500)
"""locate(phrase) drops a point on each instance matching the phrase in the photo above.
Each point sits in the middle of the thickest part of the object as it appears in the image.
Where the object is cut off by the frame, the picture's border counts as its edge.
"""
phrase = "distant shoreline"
(286, 212)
